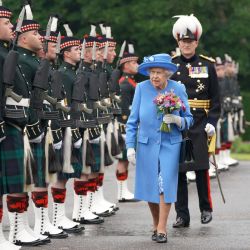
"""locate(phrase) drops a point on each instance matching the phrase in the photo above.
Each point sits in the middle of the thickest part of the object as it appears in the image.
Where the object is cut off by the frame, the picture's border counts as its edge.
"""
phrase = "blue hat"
(157, 61)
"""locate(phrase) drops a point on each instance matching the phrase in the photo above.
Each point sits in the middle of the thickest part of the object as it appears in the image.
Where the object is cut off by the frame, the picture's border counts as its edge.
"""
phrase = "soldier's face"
(111, 54)
(32, 40)
(88, 55)
(187, 47)
(51, 54)
(131, 67)
(74, 54)
(6, 33)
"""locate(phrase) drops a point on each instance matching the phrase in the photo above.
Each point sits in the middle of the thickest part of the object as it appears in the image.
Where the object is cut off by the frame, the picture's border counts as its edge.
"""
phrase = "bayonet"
(82, 55)
(47, 35)
(105, 54)
(94, 55)
(18, 26)
(58, 44)
(121, 54)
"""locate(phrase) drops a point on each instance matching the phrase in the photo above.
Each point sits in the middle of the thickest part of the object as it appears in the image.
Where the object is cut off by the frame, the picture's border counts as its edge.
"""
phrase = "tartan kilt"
(38, 163)
(97, 153)
(12, 161)
(76, 161)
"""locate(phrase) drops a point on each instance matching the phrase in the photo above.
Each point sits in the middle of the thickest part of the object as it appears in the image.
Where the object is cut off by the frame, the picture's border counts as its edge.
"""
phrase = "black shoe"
(61, 235)
(74, 230)
(45, 241)
(107, 213)
(30, 243)
(161, 238)
(128, 200)
(180, 223)
(206, 217)
(154, 235)
(97, 220)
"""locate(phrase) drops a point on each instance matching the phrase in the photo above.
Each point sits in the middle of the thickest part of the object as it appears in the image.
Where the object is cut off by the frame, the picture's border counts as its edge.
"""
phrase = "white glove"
(57, 145)
(210, 129)
(37, 139)
(170, 118)
(78, 143)
(131, 155)
(1, 139)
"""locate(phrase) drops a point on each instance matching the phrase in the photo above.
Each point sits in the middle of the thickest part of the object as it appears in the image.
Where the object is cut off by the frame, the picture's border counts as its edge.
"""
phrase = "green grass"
(241, 156)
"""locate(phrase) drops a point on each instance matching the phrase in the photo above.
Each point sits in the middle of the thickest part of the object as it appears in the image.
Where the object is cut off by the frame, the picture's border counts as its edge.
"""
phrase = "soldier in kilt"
(15, 165)
(129, 67)
(100, 205)
(72, 141)
(11, 160)
(29, 44)
(197, 73)
(40, 194)
(85, 185)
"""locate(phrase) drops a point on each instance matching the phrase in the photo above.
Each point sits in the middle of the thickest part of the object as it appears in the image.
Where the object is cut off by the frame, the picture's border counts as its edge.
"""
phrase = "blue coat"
(156, 151)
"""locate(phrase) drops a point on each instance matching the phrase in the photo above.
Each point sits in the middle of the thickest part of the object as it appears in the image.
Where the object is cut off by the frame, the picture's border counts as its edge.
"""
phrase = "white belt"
(25, 102)
(46, 102)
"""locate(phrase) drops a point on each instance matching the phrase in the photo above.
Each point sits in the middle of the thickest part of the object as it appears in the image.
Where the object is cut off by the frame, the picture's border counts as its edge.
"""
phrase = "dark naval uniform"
(200, 79)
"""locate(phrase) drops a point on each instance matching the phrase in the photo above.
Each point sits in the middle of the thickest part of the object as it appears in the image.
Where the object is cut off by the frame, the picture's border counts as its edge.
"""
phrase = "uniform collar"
(67, 65)
(192, 59)
(127, 75)
(4, 44)
(87, 64)
(25, 52)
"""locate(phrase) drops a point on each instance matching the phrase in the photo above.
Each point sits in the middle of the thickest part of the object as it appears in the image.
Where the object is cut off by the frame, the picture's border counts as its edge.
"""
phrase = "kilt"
(38, 164)
(12, 161)
(97, 153)
(76, 161)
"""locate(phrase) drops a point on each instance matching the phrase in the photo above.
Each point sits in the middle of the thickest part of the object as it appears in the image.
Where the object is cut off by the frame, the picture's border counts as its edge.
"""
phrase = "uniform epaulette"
(173, 57)
(210, 59)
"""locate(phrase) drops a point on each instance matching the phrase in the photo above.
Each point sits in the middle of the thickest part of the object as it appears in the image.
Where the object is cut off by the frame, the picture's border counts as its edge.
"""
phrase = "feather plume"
(68, 30)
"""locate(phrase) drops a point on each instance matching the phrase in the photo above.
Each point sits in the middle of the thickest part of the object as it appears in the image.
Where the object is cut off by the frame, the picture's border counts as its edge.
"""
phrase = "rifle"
(10, 64)
(94, 88)
(103, 80)
(115, 76)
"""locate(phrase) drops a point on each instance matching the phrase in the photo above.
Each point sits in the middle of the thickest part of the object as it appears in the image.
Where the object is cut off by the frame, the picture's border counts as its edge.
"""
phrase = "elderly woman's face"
(158, 77)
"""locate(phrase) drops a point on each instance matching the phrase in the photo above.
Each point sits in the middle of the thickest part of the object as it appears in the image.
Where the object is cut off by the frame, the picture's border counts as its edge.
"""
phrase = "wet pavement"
(130, 228)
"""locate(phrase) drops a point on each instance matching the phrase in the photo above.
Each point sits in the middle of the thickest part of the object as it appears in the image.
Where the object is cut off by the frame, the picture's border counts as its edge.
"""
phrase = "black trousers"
(203, 188)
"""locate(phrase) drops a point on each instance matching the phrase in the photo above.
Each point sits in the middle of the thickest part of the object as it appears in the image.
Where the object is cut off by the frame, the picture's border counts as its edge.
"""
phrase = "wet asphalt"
(130, 227)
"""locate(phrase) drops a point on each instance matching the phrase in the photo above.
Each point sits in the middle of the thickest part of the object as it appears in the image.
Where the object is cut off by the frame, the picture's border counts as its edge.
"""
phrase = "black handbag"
(186, 151)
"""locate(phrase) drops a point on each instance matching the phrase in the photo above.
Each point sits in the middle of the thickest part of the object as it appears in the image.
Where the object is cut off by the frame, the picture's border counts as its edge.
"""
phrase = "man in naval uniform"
(197, 73)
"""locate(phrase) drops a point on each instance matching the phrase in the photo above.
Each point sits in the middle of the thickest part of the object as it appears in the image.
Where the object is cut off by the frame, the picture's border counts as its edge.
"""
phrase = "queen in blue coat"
(156, 153)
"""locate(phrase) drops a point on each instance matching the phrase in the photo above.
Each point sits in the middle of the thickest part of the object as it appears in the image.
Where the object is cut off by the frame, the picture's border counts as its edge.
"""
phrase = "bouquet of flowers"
(166, 103)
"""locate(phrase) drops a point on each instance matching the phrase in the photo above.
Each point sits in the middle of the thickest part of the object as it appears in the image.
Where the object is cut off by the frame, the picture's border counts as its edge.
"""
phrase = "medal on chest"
(198, 72)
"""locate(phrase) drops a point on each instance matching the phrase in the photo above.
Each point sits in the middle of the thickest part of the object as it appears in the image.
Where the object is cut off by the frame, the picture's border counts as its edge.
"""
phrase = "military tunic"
(12, 148)
(68, 78)
(199, 77)
(29, 63)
